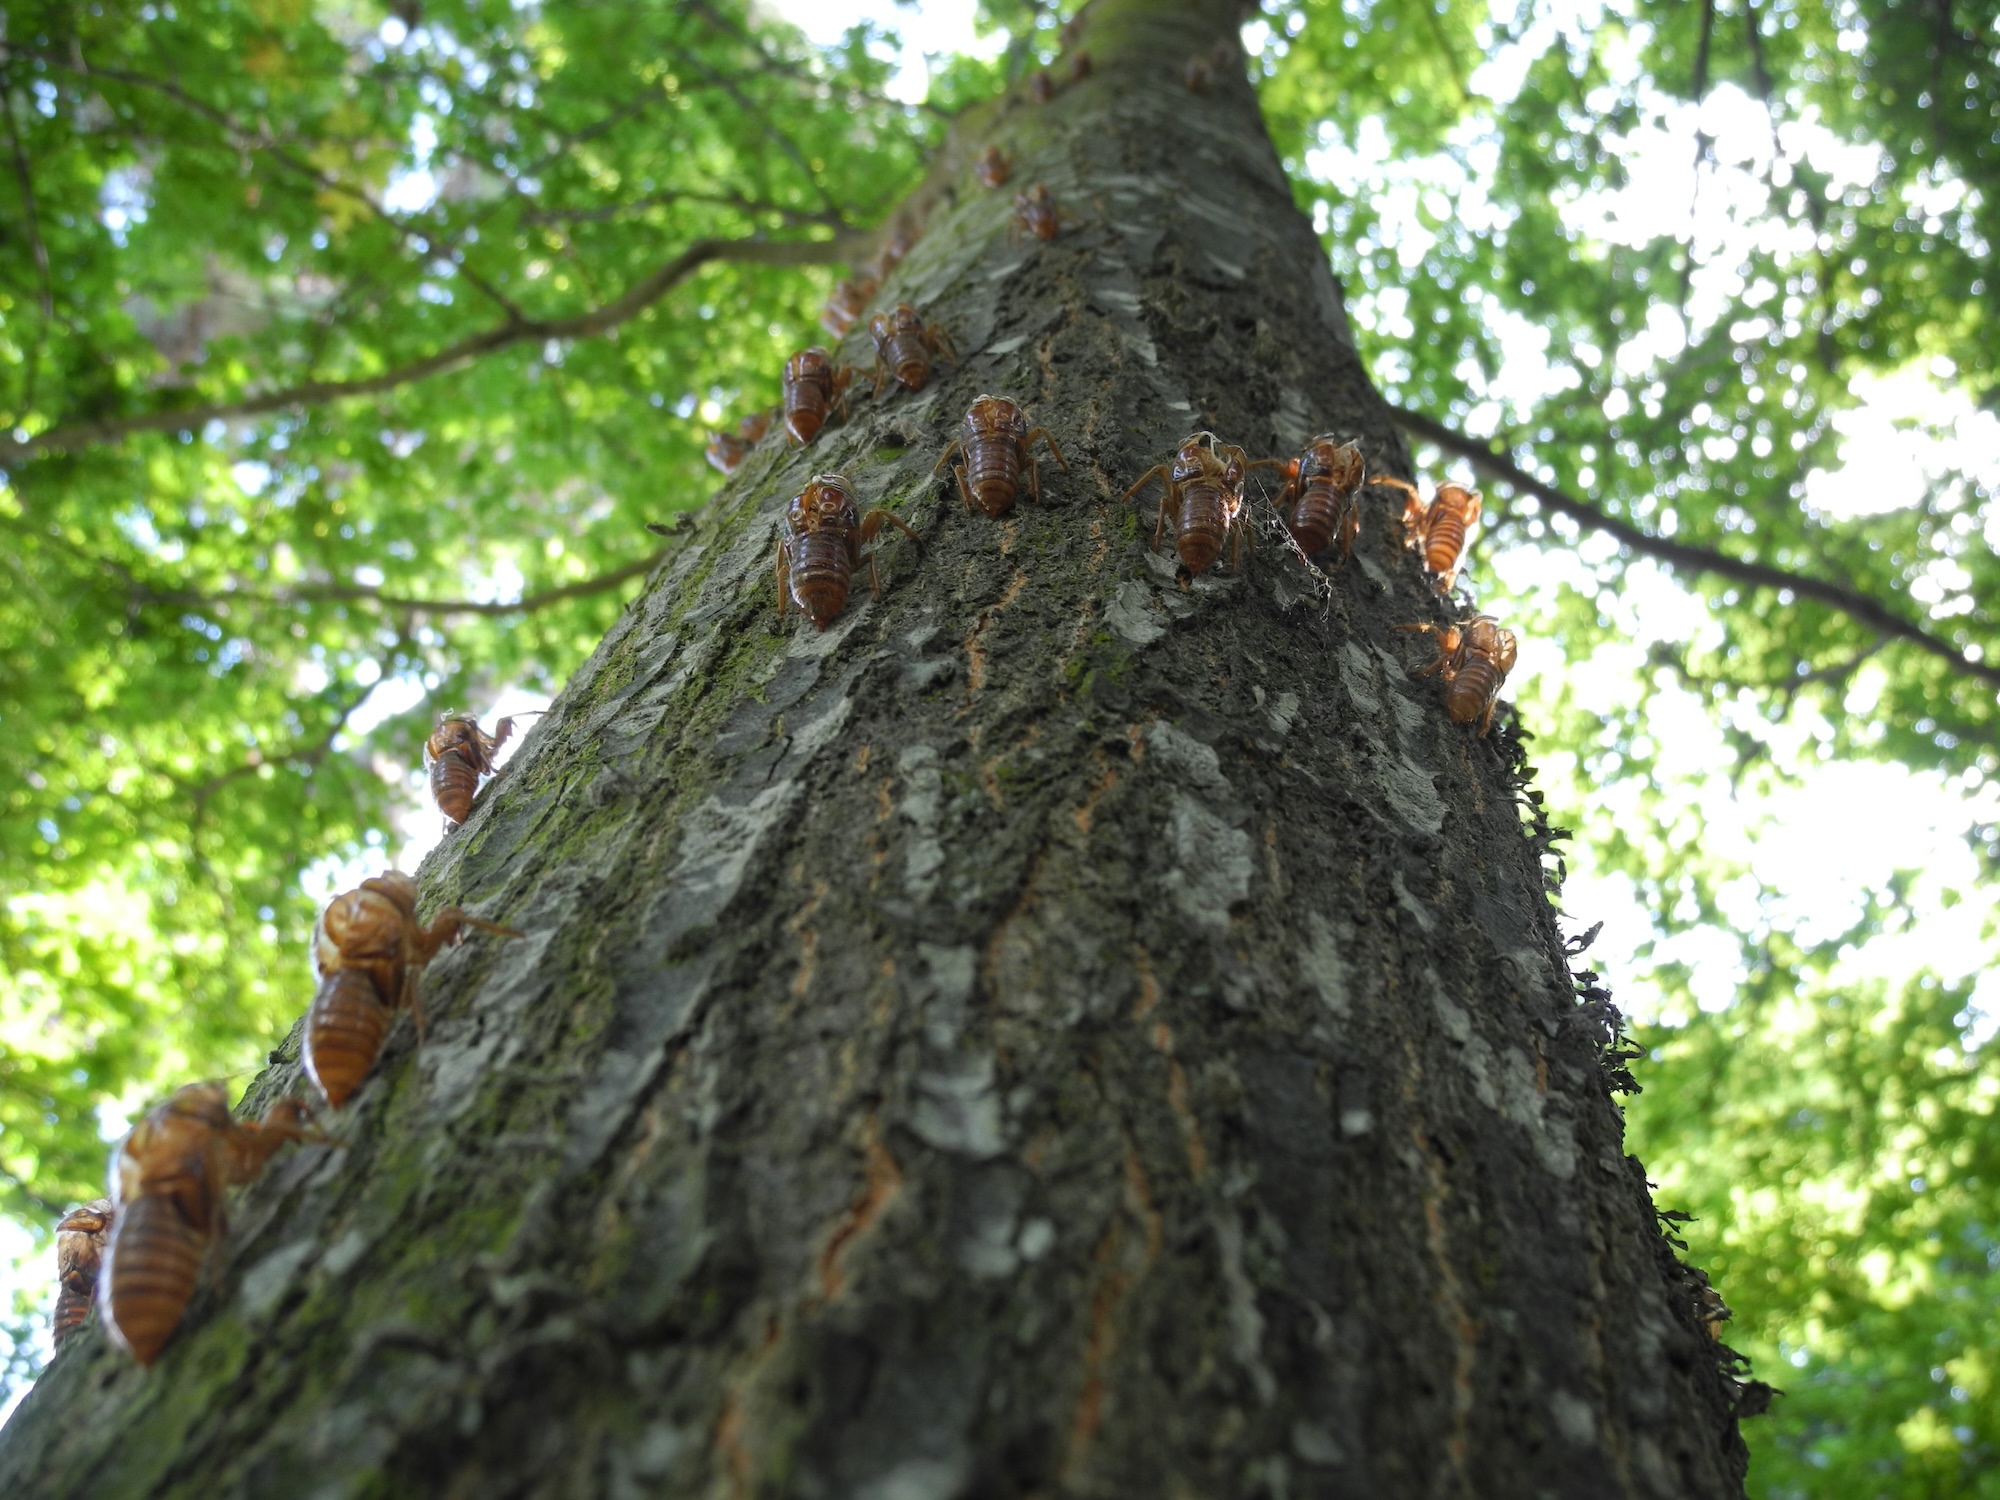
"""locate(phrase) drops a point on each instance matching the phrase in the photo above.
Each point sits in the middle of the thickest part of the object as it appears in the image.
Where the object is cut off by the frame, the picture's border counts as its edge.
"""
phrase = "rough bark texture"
(1062, 1030)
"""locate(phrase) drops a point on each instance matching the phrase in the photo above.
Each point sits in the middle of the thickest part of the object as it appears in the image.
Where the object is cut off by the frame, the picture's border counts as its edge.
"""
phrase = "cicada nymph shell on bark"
(904, 347)
(1036, 213)
(168, 1181)
(819, 548)
(992, 452)
(1436, 530)
(1317, 503)
(726, 450)
(1473, 660)
(370, 951)
(814, 388)
(1202, 499)
(849, 301)
(992, 167)
(457, 755)
(81, 1235)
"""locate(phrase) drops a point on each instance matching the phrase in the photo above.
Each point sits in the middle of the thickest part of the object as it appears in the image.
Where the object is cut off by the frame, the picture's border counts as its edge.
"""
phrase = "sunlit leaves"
(235, 198)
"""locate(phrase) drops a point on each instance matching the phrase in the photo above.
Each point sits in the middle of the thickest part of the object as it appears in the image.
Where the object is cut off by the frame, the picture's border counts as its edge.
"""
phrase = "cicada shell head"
(367, 923)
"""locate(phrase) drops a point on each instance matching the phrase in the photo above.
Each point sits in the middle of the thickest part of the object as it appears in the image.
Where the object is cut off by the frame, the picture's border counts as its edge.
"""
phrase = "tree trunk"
(1064, 1029)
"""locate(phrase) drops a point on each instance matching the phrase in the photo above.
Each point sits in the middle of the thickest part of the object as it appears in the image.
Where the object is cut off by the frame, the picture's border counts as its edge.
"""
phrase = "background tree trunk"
(1061, 1030)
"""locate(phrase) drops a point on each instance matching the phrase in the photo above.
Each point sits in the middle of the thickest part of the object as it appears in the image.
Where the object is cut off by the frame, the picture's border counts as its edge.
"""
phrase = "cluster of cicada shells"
(138, 1254)
(825, 534)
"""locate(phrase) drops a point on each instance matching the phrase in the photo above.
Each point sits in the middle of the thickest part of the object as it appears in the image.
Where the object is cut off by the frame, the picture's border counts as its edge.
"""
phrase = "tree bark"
(1065, 1029)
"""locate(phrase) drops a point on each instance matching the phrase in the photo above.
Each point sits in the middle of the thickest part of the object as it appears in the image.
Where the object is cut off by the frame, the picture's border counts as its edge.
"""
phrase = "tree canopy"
(346, 351)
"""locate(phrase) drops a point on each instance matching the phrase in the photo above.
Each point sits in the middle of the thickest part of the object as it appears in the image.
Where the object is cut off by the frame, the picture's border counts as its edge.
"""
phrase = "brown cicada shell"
(904, 347)
(1317, 503)
(370, 951)
(457, 755)
(992, 451)
(902, 240)
(1198, 74)
(1473, 660)
(167, 1185)
(80, 1238)
(727, 450)
(1035, 213)
(849, 301)
(814, 387)
(1203, 498)
(1437, 531)
(1041, 86)
(819, 548)
(992, 168)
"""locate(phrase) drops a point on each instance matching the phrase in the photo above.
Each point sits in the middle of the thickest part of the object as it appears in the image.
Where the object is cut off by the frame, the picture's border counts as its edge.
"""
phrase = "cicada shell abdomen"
(344, 1032)
(1320, 517)
(80, 1240)
(73, 1299)
(993, 471)
(1452, 511)
(805, 414)
(808, 391)
(905, 355)
(1311, 523)
(1471, 690)
(821, 569)
(454, 780)
(150, 1269)
(1204, 525)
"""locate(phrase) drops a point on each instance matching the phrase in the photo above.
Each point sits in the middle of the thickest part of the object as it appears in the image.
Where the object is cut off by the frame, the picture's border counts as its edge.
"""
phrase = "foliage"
(234, 198)
(205, 618)
(1828, 1118)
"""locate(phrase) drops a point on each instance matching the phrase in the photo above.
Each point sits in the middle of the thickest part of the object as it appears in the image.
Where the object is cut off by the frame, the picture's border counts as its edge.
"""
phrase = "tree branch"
(607, 211)
(770, 128)
(1864, 609)
(423, 240)
(319, 593)
(642, 295)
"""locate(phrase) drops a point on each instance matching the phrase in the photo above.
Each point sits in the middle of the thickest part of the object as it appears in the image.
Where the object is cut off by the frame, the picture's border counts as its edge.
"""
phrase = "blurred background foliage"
(338, 380)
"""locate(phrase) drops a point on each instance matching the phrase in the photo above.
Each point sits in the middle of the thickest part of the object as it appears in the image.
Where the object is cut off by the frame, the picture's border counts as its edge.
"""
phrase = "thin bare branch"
(1863, 608)
(1704, 144)
(770, 128)
(607, 211)
(1833, 672)
(424, 239)
(324, 593)
(202, 794)
(597, 320)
